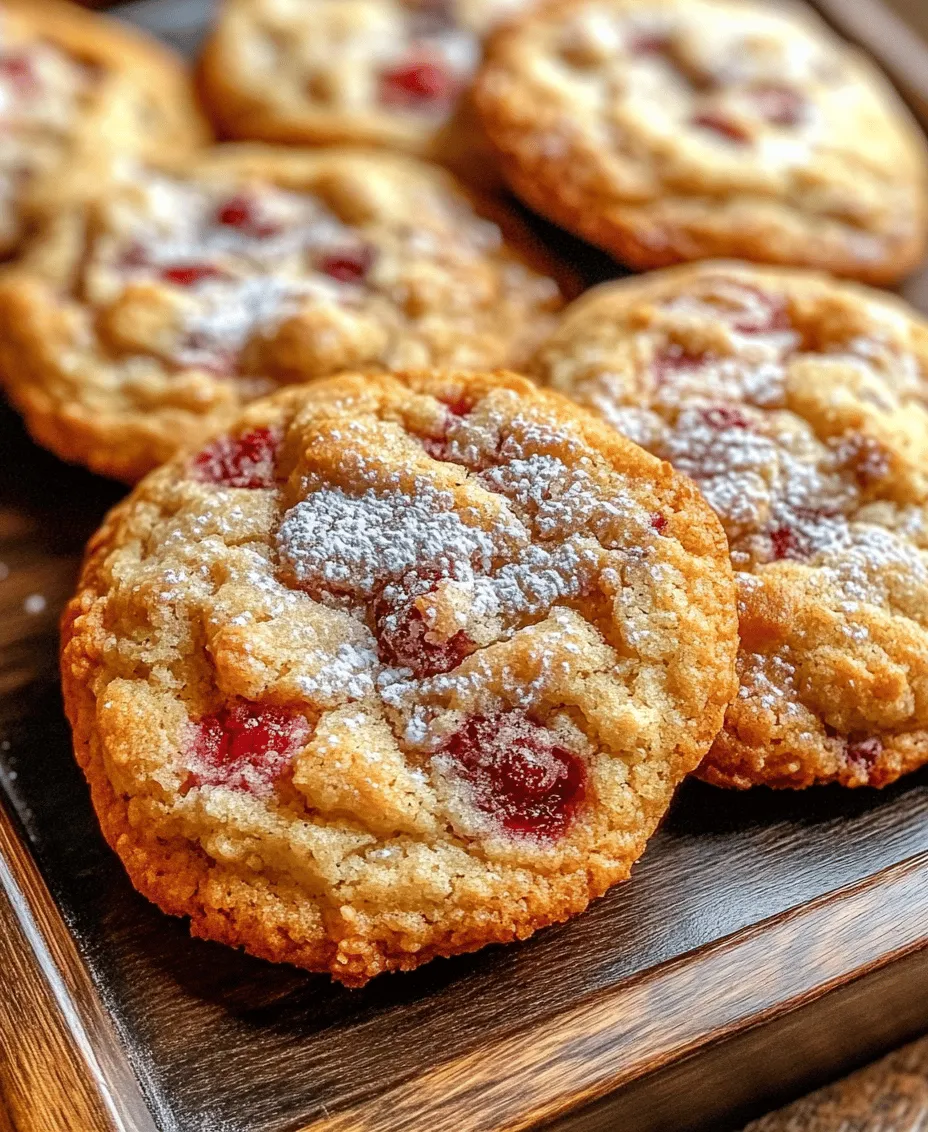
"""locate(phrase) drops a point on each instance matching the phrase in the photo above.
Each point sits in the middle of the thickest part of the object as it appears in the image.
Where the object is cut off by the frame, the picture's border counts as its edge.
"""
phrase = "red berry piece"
(722, 125)
(779, 105)
(244, 213)
(722, 417)
(784, 543)
(519, 774)
(648, 43)
(245, 747)
(658, 522)
(420, 81)
(19, 71)
(402, 640)
(246, 461)
(349, 264)
(190, 274)
(864, 750)
(135, 255)
(675, 360)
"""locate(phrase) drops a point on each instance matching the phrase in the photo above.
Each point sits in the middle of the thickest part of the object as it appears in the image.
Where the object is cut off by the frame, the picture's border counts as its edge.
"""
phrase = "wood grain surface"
(61, 1063)
(596, 1047)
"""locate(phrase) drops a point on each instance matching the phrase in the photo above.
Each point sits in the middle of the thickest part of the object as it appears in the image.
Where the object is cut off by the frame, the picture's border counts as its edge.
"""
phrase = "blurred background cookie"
(395, 73)
(76, 92)
(141, 320)
(673, 130)
(798, 407)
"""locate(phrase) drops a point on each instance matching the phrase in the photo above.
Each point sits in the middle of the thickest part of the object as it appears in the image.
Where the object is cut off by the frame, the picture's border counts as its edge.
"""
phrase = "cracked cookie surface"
(674, 130)
(397, 667)
(799, 406)
(141, 320)
(76, 91)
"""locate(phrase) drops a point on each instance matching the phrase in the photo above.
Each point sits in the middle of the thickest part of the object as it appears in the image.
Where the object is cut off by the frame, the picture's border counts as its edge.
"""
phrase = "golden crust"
(797, 404)
(360, 863)
(114, 366)
(658, 155)
(140, 98)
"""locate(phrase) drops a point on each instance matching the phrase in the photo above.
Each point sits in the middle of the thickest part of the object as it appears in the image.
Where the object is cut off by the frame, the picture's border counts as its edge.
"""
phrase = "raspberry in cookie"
(378, 72)
(77, 91)
(797, 404)
(140, 321)
(674, 130)
(397, 667)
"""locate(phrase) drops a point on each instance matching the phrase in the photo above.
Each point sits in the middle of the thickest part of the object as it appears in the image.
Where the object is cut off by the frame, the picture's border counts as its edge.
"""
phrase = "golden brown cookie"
(77, 91)
(141, 321)
(674, 130)
(397, 667)
(395, 73)
(799, 406)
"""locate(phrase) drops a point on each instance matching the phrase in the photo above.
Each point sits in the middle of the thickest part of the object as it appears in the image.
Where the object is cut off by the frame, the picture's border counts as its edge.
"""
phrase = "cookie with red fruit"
(77, 92)
(666, 131)
(393, 73)
(797, 404)
(396, 667)
(143, 318)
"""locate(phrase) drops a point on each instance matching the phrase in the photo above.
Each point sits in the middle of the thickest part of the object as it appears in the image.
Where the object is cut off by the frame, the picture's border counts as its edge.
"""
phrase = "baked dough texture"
(673, 130)
(144, 318)
(799, 406)
(397, 667)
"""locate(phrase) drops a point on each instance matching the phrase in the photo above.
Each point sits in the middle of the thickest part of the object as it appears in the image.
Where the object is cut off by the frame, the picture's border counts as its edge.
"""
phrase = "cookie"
(674, 130)
(797, 404)
(76, 90)
(394, 73)
(397, 667)
(141, 321)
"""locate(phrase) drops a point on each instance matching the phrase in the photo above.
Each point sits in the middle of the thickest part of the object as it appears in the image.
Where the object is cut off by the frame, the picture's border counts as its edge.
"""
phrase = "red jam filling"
(722, 417)
(402, 641)
(648, 43)
(658, 522)
(348, 265)
(779, 105)
(19, 71)
(785, 544)
(723, 125)
(243, 213)
(245, 746)
(672, 360)
(240, 461)
(864, 749)
(190, 274)
(518, 774)
(420, 80)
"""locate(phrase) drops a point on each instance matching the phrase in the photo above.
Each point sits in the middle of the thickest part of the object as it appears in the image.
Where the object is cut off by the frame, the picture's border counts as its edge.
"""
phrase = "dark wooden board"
(691, 997)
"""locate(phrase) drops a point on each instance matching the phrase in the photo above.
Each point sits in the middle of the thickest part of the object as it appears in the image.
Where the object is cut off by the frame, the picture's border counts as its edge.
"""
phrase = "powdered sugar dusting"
(334, 541)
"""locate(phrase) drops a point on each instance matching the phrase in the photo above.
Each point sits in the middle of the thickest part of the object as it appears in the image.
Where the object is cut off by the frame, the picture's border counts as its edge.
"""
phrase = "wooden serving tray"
(766, 942)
